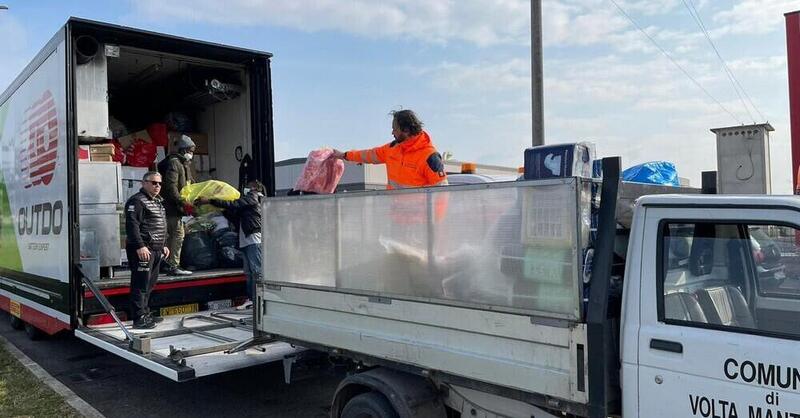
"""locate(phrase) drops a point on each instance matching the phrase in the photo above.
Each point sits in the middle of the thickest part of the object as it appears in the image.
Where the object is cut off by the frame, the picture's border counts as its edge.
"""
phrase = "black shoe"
(170, 270)
(177, 271)
(144, 322)
(155, 319)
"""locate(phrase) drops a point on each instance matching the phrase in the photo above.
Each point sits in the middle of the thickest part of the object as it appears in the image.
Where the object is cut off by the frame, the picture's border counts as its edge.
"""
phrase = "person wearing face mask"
(177, 174)
(247, 209)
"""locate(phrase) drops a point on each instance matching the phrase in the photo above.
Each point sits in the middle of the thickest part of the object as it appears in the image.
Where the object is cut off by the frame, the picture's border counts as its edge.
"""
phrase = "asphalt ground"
(119, 388)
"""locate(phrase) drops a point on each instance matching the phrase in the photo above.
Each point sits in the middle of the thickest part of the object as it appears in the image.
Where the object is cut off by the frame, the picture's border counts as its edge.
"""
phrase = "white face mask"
(188, 156)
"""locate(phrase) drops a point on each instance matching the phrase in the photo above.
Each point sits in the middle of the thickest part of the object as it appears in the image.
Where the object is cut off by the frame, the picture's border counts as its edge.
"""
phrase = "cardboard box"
(101, 158)
(102, 149)
(200, 141)
(128, 140)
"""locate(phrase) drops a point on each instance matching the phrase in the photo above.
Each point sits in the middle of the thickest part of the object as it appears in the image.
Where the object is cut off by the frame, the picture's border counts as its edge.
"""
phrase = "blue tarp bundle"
(653, 172)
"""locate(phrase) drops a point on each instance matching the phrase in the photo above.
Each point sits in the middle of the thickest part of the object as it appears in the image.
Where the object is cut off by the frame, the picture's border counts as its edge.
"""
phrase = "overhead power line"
(732, 77)
(674, 62)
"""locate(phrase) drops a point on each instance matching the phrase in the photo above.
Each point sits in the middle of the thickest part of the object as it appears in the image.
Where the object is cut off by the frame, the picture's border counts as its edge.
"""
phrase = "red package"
(83, 152)
(119, 153)
(158, 134)
(141, 154)
(321, 173)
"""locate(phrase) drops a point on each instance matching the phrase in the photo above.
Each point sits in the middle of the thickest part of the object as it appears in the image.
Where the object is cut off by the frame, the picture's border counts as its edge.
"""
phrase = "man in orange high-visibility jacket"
(411, 159)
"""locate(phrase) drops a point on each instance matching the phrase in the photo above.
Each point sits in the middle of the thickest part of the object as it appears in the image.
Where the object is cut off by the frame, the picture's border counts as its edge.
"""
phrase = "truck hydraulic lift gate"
(192, 346)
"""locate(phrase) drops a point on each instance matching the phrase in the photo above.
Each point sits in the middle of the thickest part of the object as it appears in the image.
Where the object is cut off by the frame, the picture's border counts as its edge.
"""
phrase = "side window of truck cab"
(730, 276)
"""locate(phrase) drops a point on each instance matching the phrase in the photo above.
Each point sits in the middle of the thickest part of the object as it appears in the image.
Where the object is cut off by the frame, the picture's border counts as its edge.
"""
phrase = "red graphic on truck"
(39, 142)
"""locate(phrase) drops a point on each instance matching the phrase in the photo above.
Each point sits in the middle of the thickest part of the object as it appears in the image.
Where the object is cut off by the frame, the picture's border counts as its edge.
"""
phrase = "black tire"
(33, 332)
(16, 323)
(369, 405)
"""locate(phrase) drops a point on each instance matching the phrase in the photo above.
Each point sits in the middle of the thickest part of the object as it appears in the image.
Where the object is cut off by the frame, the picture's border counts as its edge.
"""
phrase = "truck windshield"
(731, 276)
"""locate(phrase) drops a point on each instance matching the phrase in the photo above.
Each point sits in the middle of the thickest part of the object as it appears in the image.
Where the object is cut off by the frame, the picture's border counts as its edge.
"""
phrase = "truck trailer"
(61, 245)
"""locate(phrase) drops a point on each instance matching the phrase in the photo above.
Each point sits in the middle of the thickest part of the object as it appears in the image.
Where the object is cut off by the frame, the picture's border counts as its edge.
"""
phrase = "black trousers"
(144, 275)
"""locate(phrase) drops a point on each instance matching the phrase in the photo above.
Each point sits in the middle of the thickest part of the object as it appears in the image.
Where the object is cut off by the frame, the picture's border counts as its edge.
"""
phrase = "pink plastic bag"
(321, 172)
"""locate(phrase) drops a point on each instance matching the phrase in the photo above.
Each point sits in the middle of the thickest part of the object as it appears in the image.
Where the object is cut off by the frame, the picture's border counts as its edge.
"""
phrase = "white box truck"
(508, 300)
(60, 217)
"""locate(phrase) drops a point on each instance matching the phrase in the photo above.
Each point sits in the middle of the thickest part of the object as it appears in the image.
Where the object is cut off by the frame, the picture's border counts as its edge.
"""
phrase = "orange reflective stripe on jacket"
(406, 162)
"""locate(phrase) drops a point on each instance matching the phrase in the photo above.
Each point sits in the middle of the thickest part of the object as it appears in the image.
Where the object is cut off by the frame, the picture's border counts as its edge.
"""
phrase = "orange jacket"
(411, 163)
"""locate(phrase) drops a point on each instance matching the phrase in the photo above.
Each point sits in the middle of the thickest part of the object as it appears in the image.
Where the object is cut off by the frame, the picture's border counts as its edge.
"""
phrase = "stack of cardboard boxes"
(97, 152)
(201, 164)
(101, 152)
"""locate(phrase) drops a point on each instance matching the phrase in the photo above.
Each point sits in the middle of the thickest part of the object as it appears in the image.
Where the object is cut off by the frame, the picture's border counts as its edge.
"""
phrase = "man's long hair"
(407, 121)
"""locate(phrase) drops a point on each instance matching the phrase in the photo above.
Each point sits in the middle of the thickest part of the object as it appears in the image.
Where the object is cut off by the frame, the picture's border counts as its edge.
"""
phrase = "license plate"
(179, 309)
(15, 309)
(218, 305)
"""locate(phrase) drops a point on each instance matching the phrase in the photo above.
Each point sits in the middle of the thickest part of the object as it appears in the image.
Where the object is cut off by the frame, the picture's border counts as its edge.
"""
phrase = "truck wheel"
(16, 323)
(33, 332)
(369, 405)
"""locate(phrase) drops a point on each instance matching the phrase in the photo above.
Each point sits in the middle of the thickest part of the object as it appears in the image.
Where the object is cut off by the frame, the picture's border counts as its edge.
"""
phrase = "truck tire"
(369, 405)
(33, 332)
(16, 323)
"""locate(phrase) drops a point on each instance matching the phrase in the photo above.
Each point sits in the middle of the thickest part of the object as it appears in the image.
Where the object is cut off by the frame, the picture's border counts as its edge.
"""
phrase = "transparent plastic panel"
(511, 246)
(300, 241)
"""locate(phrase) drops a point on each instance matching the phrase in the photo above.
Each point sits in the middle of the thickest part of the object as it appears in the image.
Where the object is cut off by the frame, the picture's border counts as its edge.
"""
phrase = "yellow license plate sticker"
(15, 309)
(179, 309)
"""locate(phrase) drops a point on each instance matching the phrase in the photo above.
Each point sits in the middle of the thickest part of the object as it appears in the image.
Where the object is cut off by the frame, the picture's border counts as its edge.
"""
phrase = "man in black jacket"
(248, 210)
(177, 175)
(146, 230)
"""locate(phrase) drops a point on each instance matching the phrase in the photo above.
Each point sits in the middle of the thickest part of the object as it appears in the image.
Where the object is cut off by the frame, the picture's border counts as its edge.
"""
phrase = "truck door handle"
(664, 345)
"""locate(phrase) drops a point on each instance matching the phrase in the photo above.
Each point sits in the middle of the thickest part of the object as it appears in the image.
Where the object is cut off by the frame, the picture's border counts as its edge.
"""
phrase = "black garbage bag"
(228, 248)
(230, 257)
(226, 238)
(199, 251)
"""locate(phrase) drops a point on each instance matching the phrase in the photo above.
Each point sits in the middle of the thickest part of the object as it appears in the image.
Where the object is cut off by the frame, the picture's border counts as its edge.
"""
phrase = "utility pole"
(537, 82)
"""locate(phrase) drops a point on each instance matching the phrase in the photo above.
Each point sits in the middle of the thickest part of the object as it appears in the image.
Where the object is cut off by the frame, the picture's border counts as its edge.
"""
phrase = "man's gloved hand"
(338, 154)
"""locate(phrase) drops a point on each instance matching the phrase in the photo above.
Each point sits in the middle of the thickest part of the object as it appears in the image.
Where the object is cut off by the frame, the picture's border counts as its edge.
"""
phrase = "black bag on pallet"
(228, 248)
(199, 251)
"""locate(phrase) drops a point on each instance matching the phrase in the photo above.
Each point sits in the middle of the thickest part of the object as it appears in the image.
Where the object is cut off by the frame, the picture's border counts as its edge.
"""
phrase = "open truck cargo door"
(136, 77)
(184, 347)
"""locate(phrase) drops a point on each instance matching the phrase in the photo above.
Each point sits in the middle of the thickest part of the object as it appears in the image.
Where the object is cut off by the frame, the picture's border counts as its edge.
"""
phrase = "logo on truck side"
(39, 142)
